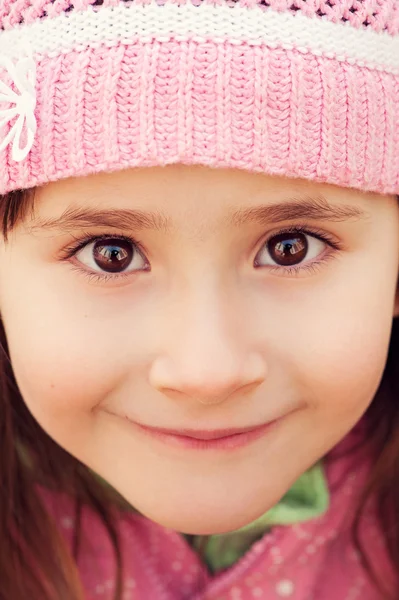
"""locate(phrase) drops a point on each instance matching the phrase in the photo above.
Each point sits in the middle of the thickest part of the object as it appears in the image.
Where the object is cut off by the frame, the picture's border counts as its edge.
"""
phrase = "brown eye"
(288, 249)
(111, 255)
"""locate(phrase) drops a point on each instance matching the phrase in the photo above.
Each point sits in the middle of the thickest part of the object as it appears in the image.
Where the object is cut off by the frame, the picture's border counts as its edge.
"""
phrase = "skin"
(201, 339)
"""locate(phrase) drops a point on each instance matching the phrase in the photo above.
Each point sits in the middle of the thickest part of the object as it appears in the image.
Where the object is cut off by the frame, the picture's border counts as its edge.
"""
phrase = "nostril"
(197, 378)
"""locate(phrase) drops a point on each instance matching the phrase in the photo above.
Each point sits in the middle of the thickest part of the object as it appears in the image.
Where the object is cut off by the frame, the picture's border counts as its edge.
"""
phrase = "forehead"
(191, 196)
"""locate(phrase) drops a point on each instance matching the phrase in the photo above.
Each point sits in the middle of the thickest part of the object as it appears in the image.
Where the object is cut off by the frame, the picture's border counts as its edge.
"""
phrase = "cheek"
(347, 367)
(346, 338)
(59, 380)
(71, 348)
(64, 363)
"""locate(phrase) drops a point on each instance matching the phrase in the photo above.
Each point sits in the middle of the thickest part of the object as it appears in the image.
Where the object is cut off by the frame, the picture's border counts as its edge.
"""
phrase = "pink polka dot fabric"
(313, 560)
(301, 88)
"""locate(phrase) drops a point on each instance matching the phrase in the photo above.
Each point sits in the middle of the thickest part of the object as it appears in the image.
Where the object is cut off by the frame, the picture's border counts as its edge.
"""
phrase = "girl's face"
(184, 297)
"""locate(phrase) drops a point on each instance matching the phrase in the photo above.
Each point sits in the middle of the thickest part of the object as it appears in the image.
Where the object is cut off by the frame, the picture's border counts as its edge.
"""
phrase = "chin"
(203, 522)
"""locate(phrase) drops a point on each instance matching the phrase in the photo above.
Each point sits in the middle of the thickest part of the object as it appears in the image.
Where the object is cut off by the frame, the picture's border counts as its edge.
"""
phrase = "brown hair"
(34, 559)
(30, 542)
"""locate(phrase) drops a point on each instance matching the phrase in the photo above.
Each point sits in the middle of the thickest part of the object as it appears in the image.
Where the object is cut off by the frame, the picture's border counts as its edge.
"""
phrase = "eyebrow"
(310, 208)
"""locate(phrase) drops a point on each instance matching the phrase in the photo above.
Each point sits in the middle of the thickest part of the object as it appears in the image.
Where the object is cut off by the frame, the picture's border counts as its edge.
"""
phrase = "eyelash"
(311, 268)
(71, 250)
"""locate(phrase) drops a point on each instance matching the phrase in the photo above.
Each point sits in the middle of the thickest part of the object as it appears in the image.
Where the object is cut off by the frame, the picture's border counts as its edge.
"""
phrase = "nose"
(208, 356)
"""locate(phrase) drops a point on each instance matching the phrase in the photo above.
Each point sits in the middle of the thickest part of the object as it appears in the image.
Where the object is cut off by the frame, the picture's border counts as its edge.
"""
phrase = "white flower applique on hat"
(22, 98)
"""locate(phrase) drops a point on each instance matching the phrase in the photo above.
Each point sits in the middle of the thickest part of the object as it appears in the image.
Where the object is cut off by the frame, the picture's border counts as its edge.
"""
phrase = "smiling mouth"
(216, 439)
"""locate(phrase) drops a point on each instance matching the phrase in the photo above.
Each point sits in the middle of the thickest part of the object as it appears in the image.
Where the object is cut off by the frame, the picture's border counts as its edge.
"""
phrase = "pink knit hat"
(302, 88)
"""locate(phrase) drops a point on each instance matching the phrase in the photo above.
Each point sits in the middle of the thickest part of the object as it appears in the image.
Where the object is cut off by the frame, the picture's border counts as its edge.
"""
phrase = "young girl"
(198, 273)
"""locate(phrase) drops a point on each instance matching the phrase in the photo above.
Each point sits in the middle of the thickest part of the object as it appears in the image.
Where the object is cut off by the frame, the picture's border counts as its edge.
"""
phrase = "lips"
(219, 439)
(214, 439)
(203, 434)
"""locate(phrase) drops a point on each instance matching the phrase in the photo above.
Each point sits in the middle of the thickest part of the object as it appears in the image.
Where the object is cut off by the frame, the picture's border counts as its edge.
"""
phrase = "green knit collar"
(306, 499)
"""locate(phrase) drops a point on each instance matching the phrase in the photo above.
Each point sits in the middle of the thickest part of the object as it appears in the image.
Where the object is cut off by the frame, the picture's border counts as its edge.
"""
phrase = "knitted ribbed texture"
(298, 88)
(380, 15)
